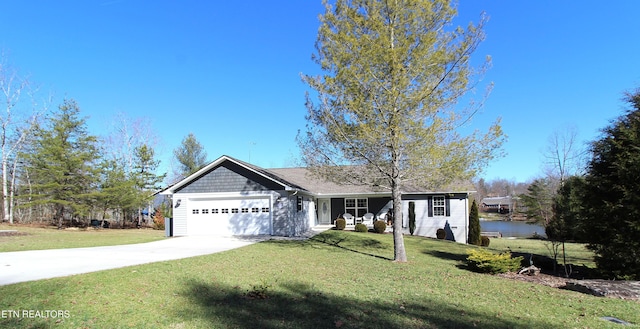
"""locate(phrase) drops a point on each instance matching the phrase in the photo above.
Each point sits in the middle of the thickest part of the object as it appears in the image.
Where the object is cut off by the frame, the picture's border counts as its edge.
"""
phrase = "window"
(225, 210)
(300, 203)
(438, 206)
(356, 207)
(205, 211)
(214, 210)
(265, 209)
(245, 210)
(255, 210)
(234, 210)
(195, 211)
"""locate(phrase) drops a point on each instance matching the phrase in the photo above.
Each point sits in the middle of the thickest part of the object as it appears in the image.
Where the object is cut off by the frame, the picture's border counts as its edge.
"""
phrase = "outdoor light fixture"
(178, 203)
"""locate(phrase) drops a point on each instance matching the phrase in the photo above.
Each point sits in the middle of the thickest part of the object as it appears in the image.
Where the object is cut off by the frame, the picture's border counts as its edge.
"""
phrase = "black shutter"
(447, 206)
(430, 206)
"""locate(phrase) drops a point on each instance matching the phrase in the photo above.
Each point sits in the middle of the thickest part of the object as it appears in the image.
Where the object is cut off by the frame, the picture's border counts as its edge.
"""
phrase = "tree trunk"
(5, 192)
(12, 191)
(400, 254)
(60, 215)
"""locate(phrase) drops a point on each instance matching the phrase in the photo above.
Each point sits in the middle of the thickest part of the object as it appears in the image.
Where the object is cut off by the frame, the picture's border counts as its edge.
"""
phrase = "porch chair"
(367, 219)
(349, 219)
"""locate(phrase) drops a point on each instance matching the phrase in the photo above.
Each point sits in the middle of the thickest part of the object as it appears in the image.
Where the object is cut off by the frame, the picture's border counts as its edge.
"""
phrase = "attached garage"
(231, 197)
(239, 216)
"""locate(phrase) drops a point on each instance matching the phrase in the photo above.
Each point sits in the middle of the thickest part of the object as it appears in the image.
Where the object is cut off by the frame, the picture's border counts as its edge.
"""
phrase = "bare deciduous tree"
(563, 156)
(126, 134)
(16, 122)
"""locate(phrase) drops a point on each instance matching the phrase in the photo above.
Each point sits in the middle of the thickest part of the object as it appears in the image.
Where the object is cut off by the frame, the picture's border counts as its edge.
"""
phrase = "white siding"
(180, 216)
(427, 226)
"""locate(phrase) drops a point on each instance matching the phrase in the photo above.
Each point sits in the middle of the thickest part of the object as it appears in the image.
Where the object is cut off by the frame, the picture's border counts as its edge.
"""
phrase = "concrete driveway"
(20, 266)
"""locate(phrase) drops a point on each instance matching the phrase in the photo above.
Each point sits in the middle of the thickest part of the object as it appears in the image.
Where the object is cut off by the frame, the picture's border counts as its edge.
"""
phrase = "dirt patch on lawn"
(12, 233)
(629, 290)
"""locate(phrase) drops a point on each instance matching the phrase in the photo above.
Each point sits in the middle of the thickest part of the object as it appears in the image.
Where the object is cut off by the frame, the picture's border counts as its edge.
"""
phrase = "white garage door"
(228, 217)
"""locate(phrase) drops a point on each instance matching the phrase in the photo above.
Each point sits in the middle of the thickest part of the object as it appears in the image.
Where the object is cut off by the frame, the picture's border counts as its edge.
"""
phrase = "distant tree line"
(55, 170)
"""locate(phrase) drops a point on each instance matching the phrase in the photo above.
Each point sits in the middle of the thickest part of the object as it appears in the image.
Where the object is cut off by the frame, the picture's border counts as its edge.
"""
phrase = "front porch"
(354, 210)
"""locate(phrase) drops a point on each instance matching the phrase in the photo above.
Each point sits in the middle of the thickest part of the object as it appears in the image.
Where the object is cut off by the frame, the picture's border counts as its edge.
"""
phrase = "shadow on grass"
(363, 242)
(446, 255)
(550, 266)
(297, 305)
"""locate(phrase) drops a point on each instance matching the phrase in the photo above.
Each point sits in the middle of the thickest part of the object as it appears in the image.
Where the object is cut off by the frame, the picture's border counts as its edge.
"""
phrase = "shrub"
(474, 225)
(484, 241)
(412, 217)
(441, 234)
(485, 261)
(341, 223)
(158, 220)
(361, 227)
(379, 226)
(259, 291)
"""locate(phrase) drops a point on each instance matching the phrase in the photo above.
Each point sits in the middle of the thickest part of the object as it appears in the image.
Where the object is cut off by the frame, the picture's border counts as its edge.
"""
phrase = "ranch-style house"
(233, 197)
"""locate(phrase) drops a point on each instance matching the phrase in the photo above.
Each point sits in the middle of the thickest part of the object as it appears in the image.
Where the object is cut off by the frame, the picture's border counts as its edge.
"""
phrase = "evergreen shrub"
(341, 223)
(361, 228)
(484, 241)
(379, 226)
(485, 261)
(412, 217)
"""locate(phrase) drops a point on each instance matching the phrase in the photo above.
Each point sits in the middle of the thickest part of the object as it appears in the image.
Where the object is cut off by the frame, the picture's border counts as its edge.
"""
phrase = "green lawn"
(49, 237)
(576, 253)
(336, 280)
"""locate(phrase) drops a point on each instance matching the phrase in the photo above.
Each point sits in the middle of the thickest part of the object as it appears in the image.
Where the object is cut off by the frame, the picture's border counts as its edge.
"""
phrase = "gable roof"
(301, 179)
(495, 201)
(260, 171)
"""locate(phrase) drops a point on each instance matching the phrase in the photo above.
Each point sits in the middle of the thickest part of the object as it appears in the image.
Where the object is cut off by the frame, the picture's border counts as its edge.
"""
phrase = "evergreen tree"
(62, 163)
(118, 192)
(539, 200)
(612, 195)
(145, 177)
(566, 223)
(191, 156)
(474, 225)
(394, 71)
(412, 217)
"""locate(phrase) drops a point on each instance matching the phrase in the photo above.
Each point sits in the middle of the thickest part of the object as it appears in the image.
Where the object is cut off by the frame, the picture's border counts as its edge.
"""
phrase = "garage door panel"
(229, 217)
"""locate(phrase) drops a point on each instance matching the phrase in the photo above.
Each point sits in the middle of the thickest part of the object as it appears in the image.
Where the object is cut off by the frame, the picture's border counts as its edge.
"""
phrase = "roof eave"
(215, 163)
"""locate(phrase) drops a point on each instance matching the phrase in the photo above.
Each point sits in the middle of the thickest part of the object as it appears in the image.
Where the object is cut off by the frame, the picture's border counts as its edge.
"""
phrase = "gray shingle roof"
(300, 178)
(303, 178)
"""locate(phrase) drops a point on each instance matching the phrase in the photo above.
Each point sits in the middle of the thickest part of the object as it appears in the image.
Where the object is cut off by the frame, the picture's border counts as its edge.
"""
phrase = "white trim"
(351, 195)
(443, 206)
(356, 207)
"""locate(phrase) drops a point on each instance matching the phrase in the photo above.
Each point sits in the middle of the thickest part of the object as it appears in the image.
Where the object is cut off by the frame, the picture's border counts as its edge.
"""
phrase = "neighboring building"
(232, 197)
(501, 205)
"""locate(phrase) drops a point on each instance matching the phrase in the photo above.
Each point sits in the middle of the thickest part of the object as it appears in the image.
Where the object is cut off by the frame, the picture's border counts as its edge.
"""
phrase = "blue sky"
(229, 72)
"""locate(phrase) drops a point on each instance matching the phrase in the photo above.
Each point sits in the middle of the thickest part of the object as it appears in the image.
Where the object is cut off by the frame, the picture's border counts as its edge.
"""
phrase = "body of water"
(512, 229)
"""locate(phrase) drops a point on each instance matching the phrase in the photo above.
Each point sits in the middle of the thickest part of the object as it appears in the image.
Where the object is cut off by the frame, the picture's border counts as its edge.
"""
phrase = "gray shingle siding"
(229, 177)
